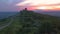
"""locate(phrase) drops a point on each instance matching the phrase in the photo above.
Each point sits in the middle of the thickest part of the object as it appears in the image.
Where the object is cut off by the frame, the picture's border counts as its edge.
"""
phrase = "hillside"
(29, 22)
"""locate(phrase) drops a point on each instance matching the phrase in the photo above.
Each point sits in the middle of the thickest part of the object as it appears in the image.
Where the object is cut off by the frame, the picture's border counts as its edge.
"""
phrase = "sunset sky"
(15, 5)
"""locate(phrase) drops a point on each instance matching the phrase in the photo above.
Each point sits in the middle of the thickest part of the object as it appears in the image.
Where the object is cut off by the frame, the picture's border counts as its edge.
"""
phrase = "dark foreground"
(29, 22)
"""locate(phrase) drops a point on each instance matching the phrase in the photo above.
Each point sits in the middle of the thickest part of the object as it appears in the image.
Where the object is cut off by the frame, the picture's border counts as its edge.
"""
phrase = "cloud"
(40, 4)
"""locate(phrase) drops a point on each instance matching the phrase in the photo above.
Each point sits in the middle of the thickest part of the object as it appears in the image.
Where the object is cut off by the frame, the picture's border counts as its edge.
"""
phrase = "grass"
(33, 23)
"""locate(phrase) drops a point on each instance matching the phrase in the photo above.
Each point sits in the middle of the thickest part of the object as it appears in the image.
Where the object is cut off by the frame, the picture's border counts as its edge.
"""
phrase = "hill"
(29, 22)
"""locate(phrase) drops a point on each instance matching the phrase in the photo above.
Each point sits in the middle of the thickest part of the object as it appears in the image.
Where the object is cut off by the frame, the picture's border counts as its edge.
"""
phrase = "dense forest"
(29, 22)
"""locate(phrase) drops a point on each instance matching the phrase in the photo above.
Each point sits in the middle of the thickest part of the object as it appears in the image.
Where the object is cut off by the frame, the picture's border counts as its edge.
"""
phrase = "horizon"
(35, 10)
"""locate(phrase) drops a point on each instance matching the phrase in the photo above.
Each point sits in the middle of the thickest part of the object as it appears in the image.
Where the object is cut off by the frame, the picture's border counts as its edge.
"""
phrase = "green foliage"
(29, 22)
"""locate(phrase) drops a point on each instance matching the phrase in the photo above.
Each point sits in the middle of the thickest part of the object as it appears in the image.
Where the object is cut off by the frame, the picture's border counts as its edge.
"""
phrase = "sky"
(16, 5)
(9, 5)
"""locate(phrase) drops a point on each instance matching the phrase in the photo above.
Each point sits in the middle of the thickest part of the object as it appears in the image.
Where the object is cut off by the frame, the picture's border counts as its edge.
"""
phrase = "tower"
(25, 8)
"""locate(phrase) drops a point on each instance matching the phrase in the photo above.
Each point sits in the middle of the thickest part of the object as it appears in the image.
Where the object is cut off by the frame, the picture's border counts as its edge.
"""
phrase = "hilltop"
(29, 22)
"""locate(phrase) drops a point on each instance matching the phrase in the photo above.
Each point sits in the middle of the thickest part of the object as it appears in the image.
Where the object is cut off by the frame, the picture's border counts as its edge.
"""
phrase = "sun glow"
(41, 8)
(40, 4)
(44, 7)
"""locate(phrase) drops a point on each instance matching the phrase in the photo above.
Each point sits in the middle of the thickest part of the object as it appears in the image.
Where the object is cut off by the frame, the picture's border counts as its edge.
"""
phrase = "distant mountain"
(6, 14)
(30, 22)
(49, 12)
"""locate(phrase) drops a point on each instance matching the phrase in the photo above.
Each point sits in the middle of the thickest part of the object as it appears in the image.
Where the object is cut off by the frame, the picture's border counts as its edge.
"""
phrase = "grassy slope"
(32, 23)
